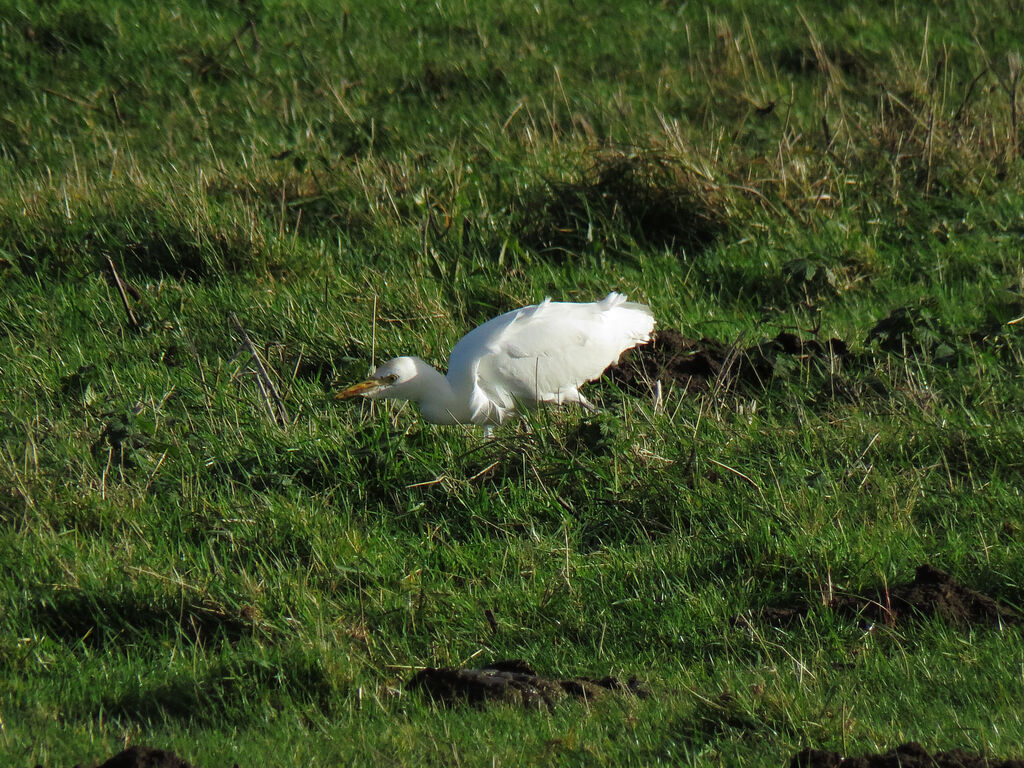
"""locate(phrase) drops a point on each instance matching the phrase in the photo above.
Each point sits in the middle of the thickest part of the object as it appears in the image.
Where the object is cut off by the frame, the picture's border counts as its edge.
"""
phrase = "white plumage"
(538, 354)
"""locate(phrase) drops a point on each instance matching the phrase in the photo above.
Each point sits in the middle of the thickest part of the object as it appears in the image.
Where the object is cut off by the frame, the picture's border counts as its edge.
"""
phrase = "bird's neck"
(438, 401)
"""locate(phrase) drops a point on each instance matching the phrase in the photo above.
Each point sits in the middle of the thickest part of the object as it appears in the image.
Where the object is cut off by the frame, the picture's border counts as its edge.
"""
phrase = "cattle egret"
(538, 354)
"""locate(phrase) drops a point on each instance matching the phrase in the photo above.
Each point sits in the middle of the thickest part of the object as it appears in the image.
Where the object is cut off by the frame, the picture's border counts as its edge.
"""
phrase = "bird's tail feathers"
(635, 319)
(643, 321)
(614, 299)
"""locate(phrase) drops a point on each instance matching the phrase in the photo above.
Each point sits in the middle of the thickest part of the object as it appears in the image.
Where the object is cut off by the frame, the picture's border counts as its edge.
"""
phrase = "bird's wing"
(543, 353)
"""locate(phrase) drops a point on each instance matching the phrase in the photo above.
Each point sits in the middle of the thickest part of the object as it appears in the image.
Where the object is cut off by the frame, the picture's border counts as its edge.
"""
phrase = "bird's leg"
(586, 404)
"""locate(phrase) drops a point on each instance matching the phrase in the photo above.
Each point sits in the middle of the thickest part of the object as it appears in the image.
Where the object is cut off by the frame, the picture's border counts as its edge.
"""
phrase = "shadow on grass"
(235, 692)
(445, 80)
(806, 59)
(541, 478)
(932, 593)
(143, 241)
(376, 467)
(650, 196)
(13, 509)
(70, 30)
(119, 620)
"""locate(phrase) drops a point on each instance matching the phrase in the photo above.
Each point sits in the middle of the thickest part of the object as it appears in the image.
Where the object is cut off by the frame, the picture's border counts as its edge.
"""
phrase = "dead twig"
(967, 96)
(74, 100)
(1013, 81)
(736, 472)
(124, 294)
(270, 395)
(236, 40)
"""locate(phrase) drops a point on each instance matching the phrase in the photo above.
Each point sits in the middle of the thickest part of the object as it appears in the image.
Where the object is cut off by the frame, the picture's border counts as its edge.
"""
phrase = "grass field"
(186, 563)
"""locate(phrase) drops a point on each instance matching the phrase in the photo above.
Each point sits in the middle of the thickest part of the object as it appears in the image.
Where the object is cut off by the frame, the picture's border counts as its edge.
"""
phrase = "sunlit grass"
(186, 563)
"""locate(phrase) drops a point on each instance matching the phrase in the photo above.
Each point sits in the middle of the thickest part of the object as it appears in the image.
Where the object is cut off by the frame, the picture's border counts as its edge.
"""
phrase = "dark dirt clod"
(931, 593)
(699, 365)
(909, 755)
(514, 682)
(144, 757)
(672, 358)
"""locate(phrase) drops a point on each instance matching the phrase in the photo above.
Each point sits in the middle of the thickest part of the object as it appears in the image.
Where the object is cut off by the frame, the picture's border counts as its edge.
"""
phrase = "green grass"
(178, 569)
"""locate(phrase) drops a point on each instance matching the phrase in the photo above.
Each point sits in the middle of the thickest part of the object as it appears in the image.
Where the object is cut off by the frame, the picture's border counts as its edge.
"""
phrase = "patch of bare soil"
(931, 593)
(514, 682)
(700, 365)
(909, 755)
(706, 363)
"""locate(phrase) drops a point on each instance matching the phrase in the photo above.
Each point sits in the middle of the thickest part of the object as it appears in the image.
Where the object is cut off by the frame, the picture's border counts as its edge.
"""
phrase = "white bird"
(538, 354)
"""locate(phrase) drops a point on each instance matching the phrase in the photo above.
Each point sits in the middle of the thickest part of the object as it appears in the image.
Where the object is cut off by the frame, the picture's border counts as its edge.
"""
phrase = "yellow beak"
(362, 388)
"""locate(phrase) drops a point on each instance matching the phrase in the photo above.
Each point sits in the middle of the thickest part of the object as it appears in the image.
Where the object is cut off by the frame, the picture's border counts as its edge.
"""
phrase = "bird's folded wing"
(543, 353)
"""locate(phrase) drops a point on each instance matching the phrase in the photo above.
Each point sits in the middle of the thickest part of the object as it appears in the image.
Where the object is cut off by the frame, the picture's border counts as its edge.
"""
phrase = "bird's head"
(397, 378)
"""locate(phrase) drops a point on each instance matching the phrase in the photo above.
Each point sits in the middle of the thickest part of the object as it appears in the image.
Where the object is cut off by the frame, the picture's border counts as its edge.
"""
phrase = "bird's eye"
(391, 378)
